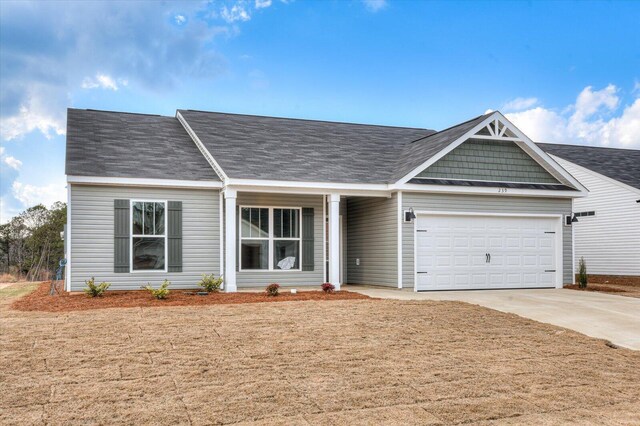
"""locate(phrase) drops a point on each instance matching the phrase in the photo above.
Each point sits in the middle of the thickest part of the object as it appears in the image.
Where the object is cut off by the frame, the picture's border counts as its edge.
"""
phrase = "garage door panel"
(452, 251)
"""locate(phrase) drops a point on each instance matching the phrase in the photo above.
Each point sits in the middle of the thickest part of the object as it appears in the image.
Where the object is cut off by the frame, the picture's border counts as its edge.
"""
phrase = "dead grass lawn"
(312, 362)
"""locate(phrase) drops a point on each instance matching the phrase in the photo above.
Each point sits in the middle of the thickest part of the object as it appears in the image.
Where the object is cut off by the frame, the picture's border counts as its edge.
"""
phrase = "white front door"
(462, 252)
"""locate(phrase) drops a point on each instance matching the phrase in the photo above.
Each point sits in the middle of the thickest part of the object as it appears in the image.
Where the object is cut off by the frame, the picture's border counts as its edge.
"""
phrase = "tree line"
(31, 244)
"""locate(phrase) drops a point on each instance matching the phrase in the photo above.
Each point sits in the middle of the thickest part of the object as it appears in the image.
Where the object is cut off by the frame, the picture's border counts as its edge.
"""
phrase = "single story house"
(301, 202)
(607, 233)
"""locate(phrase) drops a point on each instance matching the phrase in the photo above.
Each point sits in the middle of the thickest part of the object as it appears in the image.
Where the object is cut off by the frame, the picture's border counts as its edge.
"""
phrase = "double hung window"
(270, 238)
(148, 236)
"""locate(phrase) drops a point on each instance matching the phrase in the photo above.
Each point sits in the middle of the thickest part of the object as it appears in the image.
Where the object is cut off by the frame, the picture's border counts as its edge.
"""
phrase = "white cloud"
(262, 3)
(236, 13)
(591, 120)
(180, 19)
(375, 5)
(518, 104)
(102, 81)
(12, 162)
(30, 117)
(30, 195)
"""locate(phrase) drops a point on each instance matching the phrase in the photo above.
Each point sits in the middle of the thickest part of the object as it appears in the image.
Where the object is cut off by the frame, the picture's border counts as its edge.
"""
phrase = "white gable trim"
(522, 141)
(207, 155)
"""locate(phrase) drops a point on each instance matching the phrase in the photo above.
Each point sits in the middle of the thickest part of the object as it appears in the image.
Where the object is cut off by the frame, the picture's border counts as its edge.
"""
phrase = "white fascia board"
(384, 190)
(598, 175)
(207, 155)
(258, 185)
(481, 190)
(447, 149)
(163, 183)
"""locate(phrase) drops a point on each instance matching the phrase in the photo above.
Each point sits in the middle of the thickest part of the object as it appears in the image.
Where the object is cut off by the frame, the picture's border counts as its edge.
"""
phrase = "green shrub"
(95, 290)
(273, 289)
(210, 283)
(582, 273)
(161, 292)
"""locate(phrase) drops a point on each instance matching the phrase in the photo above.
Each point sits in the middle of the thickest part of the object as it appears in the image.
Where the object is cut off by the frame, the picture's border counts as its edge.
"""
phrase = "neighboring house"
(301, 202)
(607, 233)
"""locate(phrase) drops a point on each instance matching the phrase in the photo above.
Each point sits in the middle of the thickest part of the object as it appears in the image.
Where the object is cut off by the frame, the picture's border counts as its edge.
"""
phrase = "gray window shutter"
(307, 239)
(121, 243)
(174, 236)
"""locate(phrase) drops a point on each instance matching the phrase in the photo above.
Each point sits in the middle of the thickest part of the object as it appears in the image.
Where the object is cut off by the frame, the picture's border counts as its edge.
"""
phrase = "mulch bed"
(592, 287)
(40, 300)
(625, 280)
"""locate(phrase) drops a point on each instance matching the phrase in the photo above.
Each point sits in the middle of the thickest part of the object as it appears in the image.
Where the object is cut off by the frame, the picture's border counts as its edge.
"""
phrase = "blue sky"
(566, 72)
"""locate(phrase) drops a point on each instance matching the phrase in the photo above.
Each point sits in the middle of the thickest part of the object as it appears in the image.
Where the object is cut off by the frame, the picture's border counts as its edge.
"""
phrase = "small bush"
(95, 290)
(273, 289)
(161, 292)
(210, 283)
(328, 288)
(582, 273)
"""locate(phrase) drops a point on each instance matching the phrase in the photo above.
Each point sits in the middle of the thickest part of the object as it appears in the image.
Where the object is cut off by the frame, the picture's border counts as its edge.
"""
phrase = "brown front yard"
(308, 362)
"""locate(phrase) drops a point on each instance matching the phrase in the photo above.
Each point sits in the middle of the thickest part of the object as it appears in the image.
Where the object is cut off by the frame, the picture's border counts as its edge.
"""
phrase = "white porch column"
(230, 240)
(334, 240)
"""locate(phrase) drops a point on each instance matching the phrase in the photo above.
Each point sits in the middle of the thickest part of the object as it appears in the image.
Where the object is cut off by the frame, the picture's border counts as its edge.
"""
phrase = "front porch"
(304, 239)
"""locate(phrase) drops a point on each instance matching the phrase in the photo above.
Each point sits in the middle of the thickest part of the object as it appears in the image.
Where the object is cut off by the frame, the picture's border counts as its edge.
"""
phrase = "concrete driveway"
(610, 317)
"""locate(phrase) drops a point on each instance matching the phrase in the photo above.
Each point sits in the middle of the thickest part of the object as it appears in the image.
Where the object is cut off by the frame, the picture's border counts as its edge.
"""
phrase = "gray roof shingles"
(116, 144)
(256, 147)
(423, 149)
(620, 164)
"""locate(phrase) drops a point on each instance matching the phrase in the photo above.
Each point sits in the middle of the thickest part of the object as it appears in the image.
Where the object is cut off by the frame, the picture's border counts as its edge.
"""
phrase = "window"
(270, 238)
(583, 214)
(148, 236)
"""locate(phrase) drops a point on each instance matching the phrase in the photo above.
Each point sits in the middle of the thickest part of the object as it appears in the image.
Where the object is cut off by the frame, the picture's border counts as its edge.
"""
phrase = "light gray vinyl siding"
(285, 278)
(372, 237)
(92, 236)
(484, 204)
(486, 160)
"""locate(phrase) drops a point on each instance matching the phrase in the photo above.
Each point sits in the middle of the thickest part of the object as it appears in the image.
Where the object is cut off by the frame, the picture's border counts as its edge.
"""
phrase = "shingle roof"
(620, 164)
(423, 149)
(116, 144)
(256, 147)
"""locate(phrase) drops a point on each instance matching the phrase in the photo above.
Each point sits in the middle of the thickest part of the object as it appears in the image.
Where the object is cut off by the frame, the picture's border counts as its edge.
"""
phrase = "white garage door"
(485, 252)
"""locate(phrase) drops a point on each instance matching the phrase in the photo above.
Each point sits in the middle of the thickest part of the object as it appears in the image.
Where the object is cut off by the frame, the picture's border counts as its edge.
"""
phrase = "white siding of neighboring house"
(610, 240)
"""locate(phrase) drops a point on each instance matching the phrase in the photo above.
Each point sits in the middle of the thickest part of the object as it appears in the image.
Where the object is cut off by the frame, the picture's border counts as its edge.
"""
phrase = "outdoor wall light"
(571, 219)
(409, 215)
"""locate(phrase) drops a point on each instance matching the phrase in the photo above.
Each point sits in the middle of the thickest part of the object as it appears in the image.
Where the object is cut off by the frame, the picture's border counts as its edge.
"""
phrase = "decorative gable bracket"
(496, 130)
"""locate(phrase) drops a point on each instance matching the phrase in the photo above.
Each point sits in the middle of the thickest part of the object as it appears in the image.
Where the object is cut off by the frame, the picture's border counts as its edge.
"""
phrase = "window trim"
(271, 239)
(165, 236)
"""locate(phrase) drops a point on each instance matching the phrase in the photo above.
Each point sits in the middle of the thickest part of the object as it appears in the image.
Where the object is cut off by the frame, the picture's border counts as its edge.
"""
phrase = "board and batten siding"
(609, 241)
(92, 236)
(481, 204)
(372, 237)
(246, 279)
